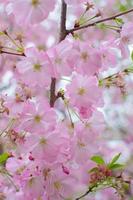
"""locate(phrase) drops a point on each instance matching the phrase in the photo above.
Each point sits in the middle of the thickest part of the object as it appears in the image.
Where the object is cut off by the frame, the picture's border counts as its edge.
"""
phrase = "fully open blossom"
(81, 91)
(34, 10)
(36, 119)
(88, 59)
(35, 66)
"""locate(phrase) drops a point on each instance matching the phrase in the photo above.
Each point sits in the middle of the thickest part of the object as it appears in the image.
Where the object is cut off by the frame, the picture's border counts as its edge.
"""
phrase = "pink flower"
(85, 110)
(125, 39)
(127, 33)
(60, 185)
(75, 1)
(86, 140)
(31, 11)
(37, 118)
(61, 57)
(35, 68)
(84, 91)
(108, 55)
(87, 59)
(43, 147)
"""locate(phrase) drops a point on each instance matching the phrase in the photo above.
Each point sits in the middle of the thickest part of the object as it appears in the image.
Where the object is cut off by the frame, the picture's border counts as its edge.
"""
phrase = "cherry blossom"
(66, 100)
(35, 10)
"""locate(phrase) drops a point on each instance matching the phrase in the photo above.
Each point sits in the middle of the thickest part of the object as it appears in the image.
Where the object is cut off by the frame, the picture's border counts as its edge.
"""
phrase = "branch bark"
(99, 21)
(11, 53)
(63, 31)
(85, 194)
(62, 35)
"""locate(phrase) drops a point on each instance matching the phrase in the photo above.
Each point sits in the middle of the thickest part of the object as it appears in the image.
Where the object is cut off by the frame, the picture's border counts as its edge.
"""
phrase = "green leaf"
(115, 158)
(3, 158)
(116, 166)
(113, 161)
(98, 159)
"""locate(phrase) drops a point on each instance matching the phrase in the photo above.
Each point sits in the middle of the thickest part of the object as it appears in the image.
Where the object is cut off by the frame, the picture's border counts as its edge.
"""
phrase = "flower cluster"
(47, 149)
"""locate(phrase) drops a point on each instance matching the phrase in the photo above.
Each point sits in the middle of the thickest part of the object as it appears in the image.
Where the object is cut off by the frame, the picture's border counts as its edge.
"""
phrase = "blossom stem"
(99, 21)
(125, 72)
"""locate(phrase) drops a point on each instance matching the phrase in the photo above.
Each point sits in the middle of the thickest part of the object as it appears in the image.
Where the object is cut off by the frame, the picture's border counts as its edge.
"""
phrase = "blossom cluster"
(50, 147)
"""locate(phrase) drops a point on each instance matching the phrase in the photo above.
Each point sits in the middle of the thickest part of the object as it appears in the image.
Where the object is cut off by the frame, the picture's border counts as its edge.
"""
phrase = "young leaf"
(3, 158)
(98, 159)
(116, 166)
(115, 158)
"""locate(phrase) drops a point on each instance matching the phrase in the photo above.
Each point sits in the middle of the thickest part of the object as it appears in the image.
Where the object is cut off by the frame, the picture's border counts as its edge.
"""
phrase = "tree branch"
(85, 194)
(63, 33)
(11, 53)
(52, 92)
(99, 21)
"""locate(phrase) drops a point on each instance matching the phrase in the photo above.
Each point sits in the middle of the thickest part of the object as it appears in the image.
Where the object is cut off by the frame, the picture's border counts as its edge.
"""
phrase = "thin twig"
(11, 53)
(99, 21)
(85, 194)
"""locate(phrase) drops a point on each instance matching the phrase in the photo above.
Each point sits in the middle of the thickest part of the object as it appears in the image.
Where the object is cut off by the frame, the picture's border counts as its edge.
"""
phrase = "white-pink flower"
(35, 68)
(84, 91)
(31, 11)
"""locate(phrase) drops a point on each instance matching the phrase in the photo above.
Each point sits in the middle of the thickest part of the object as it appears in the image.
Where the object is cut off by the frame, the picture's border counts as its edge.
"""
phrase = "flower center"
(43, 141)
(37, 118)
(81, 91)
(58, 61)
(46, 173)
(35, 2)
(84, 56)
(37, 67)
(57, 185)
(31, 182)
(81, 144)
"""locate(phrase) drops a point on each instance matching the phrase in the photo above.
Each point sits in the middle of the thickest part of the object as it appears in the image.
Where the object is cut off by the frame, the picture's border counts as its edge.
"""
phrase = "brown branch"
(52, 92)
(11, 53)
(99, 21)
(85, 194)
(63, 33)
